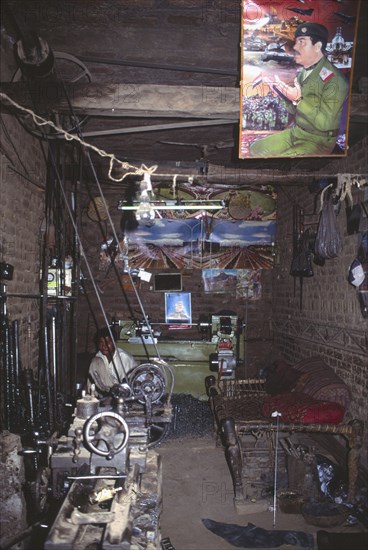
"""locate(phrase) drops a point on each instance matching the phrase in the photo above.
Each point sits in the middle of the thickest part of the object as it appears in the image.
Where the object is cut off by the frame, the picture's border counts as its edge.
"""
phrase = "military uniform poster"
(297, 59)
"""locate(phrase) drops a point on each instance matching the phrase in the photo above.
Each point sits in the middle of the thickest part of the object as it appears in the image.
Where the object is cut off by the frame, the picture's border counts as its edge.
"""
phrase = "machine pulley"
(148, 382)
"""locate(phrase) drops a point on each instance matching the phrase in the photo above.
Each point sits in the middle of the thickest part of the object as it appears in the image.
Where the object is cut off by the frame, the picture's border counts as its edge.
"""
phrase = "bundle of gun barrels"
(20, 413)
(11, 376)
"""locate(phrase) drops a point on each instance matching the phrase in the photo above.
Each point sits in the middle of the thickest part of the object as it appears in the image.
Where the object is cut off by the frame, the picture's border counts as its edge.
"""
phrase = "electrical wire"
(58, 178)
(13, 168)
(80, 135)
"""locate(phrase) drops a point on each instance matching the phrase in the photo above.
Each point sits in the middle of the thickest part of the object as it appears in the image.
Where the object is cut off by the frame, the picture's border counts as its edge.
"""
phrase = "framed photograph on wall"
(296, 74)
(178, 308)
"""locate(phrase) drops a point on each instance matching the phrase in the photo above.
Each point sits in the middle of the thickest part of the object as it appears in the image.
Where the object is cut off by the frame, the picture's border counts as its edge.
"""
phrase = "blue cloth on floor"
(251, 536)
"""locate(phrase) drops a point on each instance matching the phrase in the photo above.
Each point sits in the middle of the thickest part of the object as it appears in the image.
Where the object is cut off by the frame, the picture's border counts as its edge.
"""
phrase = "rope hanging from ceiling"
(131, 169)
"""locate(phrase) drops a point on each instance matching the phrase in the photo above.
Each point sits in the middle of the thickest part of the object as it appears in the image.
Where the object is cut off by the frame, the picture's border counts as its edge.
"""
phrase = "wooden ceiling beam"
(140, 100)
(127, 100)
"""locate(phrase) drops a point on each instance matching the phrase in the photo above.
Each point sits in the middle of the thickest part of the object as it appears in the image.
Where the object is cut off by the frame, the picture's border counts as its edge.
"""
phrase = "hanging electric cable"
(159, 360)
(80, 135)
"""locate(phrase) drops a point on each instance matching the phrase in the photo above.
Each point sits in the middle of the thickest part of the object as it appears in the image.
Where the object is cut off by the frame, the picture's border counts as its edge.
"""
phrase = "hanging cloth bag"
(301, 264)
(328, 242)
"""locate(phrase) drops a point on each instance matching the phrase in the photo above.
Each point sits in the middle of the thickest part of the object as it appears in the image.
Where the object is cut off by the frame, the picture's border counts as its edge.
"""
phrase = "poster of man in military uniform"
(297, 61)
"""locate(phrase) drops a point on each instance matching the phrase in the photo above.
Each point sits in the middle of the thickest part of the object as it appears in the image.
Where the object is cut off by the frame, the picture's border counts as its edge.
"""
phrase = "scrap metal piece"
(106, 493)
(84, 518)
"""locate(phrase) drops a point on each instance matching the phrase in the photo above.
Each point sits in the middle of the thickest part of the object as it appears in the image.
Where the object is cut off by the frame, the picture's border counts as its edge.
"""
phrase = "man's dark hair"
(103, 333)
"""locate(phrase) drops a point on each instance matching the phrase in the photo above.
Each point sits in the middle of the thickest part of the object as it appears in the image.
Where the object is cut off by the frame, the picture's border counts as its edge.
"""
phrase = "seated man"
(110, 365)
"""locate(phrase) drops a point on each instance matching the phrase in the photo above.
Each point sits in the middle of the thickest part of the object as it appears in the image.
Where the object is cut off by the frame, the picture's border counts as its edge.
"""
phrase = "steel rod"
(47, 378)
(166, 67)
(97, 477)
(54, 364)
(5, 333)
(12, 404)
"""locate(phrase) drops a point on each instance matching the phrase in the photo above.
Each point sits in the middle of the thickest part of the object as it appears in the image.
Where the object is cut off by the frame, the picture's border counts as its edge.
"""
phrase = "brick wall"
(330, 322)
(22, 179)
(22, 173)
(21, 214)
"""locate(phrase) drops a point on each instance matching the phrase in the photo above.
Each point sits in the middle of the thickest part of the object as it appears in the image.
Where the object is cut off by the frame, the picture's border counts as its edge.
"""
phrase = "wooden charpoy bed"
(239, 407)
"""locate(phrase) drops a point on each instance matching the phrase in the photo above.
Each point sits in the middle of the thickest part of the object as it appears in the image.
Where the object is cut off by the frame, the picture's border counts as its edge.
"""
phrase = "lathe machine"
(219, 348)
(106, 469)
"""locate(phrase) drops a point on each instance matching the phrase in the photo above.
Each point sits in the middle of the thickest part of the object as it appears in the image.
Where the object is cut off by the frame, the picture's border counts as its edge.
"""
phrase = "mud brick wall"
(22, 181)
(330, 322)
(21, 215)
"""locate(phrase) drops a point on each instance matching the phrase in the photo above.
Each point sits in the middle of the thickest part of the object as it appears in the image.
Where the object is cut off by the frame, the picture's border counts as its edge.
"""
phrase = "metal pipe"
(166, 67)
(277, 415)
(97, 477)
(54, 363)
(47, 378)
(12, 404)
(16, 352)
(28, 380)
(156, 127)
(17, 401)
(5, 332)
(20, 295)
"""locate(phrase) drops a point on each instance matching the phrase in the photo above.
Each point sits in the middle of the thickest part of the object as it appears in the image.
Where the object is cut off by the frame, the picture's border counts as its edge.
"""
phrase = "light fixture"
(144, 211)
(146, 206)
(175, 205)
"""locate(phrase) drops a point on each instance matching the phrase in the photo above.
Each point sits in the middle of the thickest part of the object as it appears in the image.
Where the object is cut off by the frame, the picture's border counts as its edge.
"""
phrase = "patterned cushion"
(322, 382)
(282, 378)
(299, 407)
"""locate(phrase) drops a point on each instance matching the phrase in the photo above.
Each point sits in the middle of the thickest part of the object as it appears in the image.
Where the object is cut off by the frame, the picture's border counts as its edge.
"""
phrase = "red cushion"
(299, 407)
(282, 378)
(323, 383)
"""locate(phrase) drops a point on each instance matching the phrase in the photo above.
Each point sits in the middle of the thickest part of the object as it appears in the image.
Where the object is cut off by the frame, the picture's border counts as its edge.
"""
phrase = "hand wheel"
(106, 433)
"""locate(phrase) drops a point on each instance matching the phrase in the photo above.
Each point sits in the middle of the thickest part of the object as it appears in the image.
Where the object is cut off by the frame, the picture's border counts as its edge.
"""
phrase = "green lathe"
(191, 360)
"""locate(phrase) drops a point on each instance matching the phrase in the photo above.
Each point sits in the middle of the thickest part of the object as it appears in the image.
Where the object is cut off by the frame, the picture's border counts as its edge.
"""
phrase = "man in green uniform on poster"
(316, 100)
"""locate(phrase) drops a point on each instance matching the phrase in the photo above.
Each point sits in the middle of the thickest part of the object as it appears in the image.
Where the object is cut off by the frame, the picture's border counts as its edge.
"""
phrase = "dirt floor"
(197, 485)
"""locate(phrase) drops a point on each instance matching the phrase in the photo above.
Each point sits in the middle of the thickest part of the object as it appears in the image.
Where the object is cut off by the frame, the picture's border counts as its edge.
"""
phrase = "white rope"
(39, 121)
(345, 183)
(137, 171)
(174, 185)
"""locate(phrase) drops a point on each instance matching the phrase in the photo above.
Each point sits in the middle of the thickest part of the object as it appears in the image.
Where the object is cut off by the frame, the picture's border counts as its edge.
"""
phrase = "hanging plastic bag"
(329, 242)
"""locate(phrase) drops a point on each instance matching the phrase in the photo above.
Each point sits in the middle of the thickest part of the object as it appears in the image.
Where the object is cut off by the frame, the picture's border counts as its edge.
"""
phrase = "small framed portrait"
(178, 308)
